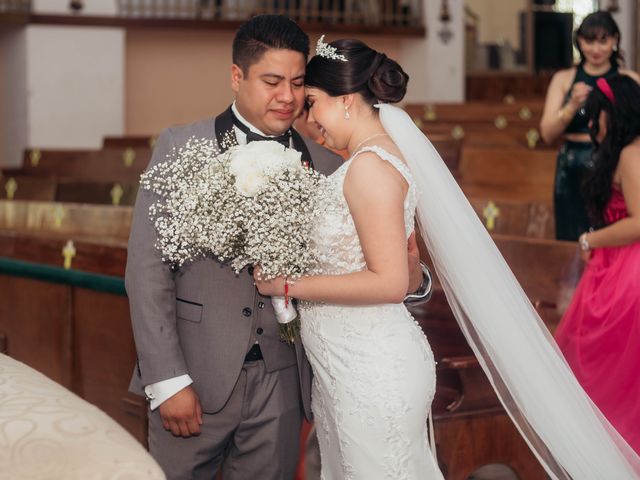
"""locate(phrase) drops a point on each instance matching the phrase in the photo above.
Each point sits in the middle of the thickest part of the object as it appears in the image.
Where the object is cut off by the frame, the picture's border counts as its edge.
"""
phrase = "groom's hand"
(413, 255)
(182, 413)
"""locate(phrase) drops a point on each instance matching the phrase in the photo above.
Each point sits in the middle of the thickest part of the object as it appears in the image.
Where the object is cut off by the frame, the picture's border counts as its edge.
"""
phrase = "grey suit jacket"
(201, 319)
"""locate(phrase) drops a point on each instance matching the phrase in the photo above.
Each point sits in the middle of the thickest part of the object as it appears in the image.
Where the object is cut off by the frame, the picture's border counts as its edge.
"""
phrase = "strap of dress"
(389, 157)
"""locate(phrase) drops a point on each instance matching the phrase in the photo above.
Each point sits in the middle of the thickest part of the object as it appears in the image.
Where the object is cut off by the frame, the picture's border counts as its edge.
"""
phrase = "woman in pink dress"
(600, 332)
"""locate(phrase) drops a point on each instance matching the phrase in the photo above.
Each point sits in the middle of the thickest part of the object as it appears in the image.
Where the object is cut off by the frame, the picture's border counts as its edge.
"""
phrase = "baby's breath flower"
(253, 204)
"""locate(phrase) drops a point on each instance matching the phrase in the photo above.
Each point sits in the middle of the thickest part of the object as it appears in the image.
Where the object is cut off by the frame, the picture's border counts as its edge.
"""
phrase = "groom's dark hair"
(264, 32)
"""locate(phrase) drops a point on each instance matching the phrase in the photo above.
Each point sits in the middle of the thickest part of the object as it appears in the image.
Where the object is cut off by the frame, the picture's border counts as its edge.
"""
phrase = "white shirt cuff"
(158, 392)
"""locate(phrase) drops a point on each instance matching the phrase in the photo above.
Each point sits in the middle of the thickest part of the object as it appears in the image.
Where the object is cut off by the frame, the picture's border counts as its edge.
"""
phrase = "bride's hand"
(270, 288)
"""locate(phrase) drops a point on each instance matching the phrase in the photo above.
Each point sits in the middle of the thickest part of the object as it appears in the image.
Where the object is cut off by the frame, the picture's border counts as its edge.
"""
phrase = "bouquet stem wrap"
(288, 319)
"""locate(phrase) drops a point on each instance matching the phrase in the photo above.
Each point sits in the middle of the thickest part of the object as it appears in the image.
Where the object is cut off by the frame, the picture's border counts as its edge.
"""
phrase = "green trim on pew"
(75, 278)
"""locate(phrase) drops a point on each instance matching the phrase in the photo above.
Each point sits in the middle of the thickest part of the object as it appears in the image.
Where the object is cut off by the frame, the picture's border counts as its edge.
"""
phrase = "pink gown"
(600, 331)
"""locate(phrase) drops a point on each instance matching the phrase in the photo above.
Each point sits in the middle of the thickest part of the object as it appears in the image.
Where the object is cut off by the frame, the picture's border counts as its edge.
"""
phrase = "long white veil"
(563, 428)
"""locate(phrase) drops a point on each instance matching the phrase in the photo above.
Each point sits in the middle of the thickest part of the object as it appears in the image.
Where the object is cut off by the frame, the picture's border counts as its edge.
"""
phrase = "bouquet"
(252, 204)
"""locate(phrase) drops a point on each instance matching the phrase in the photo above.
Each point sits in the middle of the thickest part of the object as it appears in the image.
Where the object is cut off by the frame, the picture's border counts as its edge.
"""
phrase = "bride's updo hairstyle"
(367, 72)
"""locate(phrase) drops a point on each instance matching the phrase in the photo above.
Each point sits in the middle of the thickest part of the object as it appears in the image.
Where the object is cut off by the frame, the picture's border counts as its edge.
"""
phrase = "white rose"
(267, 157)
(274, 158)
(249, 183)
(241, 163)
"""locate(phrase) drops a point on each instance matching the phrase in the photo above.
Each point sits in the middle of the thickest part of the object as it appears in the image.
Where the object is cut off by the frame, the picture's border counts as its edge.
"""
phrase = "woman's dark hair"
(598, 25)
(370, 73)
(623, 127)
(264, 32)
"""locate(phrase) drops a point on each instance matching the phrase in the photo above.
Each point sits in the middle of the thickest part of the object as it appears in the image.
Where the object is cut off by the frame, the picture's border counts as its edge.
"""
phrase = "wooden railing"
(392, 13)
(15, 6)
(380, 17)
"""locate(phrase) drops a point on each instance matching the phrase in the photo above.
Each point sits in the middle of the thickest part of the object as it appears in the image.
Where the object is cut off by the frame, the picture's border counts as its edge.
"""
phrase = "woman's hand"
(579, 93)
(269, 288)
(585, 255)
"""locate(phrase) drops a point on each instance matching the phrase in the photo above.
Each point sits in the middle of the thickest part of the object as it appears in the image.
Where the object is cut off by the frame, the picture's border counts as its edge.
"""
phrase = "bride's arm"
(375, 193)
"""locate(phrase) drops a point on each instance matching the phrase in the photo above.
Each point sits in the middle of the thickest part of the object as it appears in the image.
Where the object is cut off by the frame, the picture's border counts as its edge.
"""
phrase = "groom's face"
(270, 94)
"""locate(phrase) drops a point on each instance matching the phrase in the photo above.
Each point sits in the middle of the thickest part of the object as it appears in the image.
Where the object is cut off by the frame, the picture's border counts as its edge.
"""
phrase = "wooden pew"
(506, 174)
(527, 112)
(70, 220)
(109, 165)
(487, 134)
(515, 217)
(24, 186)
(450, 150)
(91, 192)
(21, 187)
(471, 427)
(129, 141)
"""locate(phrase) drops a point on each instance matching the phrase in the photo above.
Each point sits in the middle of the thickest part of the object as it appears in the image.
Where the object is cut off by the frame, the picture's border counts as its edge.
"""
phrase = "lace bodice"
(337, 241)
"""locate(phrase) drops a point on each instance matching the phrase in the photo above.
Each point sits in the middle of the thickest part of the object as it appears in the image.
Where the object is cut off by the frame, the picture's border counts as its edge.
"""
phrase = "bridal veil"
(563, 428)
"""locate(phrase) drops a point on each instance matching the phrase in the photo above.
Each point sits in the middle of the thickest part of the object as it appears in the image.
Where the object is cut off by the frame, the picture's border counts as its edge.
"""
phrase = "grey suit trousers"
(256, 434)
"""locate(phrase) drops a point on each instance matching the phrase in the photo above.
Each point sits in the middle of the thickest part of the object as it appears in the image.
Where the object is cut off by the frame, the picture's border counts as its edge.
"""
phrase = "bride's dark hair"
(367, 72)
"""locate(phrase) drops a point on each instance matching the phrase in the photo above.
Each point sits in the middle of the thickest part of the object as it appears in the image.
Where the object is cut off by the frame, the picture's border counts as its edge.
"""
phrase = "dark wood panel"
(35, 318)
(104, 358)
(466, 443)
(107, 257)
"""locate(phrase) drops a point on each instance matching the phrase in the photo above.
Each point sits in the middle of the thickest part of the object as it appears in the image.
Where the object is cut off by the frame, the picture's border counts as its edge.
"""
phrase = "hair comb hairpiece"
(327, 51)
(604, 87)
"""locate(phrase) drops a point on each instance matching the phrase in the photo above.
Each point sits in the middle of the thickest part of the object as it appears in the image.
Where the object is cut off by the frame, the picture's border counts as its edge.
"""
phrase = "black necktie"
(284, 139)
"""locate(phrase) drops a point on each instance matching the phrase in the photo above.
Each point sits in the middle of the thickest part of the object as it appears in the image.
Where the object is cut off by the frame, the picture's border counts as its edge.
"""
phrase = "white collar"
(244, 121)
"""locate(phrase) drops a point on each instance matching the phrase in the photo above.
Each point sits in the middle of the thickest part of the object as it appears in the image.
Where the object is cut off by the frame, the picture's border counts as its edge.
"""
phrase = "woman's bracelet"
(286, 291)
(584, 243)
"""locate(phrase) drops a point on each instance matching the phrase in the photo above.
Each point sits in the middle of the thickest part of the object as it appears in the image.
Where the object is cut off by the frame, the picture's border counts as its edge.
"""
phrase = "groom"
(223, 389)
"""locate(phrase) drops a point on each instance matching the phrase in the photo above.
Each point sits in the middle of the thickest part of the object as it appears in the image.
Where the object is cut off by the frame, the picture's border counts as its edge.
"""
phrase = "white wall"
(91, 7)
(626, 19)
(436, 69)
(498, 20)
(75, 77)
(63, 88)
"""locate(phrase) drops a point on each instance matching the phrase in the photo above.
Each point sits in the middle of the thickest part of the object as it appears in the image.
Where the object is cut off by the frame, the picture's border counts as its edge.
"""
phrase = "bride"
(374, 373)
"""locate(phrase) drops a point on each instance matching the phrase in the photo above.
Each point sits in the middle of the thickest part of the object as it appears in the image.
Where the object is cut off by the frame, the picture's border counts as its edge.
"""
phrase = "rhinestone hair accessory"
(327, 51)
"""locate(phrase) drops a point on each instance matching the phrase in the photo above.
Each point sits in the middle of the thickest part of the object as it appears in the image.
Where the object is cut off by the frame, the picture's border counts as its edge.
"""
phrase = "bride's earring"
(346, 114)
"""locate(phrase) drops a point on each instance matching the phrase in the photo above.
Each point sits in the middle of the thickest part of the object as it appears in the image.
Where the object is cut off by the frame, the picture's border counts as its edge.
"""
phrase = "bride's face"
(327, 113)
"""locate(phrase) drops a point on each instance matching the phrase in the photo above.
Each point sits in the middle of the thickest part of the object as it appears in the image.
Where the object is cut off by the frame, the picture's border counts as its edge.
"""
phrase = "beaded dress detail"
(374, 372)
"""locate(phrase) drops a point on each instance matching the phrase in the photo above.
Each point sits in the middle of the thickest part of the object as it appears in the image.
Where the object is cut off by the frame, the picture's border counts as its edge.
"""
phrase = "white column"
(15, 117)
(625, 18)
(436, 68)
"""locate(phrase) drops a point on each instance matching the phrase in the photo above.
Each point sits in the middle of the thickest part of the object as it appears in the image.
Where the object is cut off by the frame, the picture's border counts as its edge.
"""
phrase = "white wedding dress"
(374, 372)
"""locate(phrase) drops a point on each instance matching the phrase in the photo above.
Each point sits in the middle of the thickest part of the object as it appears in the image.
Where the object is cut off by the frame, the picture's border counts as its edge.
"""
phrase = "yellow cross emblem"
(490, 212)
(68, 252)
